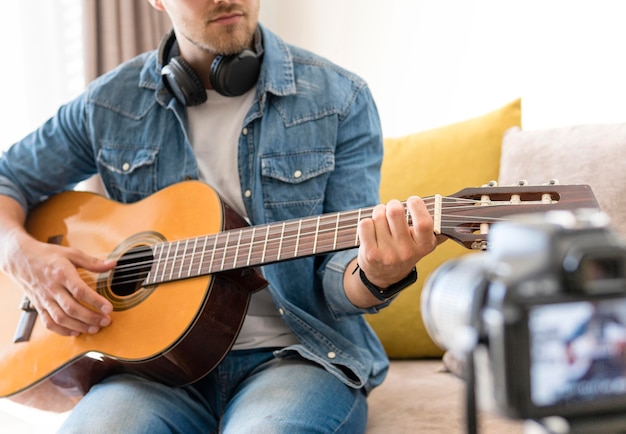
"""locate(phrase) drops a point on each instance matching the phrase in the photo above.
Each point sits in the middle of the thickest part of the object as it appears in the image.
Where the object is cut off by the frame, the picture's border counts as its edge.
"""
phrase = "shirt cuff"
(335, 294)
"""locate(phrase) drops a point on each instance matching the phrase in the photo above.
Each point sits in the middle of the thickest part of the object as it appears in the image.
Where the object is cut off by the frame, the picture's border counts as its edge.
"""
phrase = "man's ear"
(157, 5)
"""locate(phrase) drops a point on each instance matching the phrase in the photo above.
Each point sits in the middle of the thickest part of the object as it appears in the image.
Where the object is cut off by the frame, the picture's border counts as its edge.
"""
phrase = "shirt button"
(297, 174)
(247, 193)
(281, 311)
(125, 167)
(331, 355)
(244, 131)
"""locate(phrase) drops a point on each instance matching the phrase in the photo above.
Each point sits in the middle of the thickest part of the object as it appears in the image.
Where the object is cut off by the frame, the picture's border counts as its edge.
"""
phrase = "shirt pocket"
(294, 184)
(130, 174)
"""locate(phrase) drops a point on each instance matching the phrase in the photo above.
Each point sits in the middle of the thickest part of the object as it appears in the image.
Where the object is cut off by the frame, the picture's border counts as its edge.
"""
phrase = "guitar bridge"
(26, 323)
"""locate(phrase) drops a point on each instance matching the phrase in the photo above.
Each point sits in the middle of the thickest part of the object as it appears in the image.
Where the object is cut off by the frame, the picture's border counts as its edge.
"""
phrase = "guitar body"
(173, 332)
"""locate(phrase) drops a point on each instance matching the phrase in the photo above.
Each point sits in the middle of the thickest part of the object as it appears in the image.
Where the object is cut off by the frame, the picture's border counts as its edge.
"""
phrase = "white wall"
(432, 62)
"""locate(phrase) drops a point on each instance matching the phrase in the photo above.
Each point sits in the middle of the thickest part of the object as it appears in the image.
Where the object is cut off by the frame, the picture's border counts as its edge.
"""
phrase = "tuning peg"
(522, 182)
(491, 183)
(553, 182)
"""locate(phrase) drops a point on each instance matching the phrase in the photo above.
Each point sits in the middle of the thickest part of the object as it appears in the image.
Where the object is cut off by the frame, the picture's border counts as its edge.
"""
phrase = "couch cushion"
(579, 154)
(419, 396)
(439, 161)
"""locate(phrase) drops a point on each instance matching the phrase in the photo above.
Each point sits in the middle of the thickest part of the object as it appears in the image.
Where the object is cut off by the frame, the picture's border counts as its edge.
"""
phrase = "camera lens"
(450, 296)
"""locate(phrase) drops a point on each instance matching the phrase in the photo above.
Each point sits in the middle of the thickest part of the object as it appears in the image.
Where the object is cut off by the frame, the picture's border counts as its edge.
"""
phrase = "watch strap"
(384, 294)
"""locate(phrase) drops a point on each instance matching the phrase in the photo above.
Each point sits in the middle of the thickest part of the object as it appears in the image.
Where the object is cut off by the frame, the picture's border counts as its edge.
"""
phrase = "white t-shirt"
(214, 129)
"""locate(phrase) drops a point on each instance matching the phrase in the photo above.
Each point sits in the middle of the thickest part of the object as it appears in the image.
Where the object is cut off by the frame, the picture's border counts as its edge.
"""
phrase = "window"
(42, 62)
(42, 55)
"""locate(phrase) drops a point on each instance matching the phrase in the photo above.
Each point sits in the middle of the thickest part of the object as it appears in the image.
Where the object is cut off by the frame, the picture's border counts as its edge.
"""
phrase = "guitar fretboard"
(256, 245)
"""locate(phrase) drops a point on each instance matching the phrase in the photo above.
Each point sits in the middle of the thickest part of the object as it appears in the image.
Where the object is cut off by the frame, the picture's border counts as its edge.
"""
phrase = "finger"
(367, 233)
(396, 214)
(422, 222)
(90, 263)
(72, 302)
(381, 225)
(77, 286)
(57, 316)
(51, 325)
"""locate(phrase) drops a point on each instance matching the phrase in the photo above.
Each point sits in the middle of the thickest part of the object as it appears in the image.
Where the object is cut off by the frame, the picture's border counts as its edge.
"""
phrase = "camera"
(541, 316)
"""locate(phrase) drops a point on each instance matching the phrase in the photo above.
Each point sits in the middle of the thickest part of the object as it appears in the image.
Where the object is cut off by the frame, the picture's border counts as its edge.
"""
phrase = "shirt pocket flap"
(298, 168)
(126, 161)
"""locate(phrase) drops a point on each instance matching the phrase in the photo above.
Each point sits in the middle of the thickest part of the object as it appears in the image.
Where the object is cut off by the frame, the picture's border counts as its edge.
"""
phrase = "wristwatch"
(384, 294)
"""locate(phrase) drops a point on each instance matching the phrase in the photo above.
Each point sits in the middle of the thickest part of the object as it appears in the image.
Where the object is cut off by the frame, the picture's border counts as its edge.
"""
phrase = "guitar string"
(140, 267)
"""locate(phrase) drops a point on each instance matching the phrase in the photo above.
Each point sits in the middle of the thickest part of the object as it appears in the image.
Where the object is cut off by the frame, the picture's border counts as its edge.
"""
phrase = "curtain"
(117, 30)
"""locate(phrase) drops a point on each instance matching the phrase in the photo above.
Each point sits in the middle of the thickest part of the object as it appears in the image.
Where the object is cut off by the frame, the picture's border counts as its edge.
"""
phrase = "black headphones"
(231, 75)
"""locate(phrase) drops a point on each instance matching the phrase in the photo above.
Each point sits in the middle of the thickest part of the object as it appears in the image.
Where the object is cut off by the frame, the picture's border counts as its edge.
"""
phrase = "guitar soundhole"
(125, 286)
(131, 271)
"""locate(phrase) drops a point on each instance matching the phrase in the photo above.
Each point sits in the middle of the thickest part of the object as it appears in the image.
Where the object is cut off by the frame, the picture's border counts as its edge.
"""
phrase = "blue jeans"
(249, 392)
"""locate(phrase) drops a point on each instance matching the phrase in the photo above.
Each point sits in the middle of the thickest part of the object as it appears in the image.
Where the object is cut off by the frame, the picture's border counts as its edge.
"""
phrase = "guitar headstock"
(466, 215)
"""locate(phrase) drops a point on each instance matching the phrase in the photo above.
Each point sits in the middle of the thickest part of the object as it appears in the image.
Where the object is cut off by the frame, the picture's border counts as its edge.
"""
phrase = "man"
(303, 140)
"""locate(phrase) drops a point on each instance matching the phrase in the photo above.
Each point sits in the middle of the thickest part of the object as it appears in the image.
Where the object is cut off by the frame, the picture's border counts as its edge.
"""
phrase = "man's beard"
(232, 40)
(227, 45)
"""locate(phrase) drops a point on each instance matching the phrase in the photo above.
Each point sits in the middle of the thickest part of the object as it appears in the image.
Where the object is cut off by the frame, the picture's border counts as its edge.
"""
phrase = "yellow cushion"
(439, 161)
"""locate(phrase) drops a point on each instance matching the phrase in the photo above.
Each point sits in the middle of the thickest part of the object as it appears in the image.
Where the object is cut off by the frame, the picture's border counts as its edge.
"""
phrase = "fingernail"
(106, 309)
(105, 322)
(93, 330)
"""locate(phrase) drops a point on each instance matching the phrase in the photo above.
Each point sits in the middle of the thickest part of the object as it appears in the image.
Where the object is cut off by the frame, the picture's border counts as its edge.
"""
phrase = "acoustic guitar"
(184, 275)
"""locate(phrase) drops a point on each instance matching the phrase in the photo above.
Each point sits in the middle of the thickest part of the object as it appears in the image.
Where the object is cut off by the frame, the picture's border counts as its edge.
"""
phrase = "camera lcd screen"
(577, 351)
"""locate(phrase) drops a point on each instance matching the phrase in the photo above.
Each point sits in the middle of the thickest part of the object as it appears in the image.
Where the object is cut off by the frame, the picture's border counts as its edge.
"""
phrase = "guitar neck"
(256, 245)
(463, 217)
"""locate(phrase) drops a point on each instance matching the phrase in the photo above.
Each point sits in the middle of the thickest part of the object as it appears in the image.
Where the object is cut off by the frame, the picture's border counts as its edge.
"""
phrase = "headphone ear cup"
(235, 75)
(183, 82)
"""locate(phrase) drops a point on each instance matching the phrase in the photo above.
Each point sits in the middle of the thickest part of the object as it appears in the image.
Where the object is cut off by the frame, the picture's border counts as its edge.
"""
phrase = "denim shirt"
(310, 144)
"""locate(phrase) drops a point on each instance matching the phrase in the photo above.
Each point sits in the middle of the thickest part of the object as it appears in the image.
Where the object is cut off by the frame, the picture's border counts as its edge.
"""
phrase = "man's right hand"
(49, 276)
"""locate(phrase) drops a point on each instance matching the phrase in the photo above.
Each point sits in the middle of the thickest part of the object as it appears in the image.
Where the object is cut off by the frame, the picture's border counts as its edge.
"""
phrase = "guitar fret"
(167, 259)
(157, 260)
(192, 256)
(183, 258)
(317, 231)
(267, 235)
(173, 266)
(251, 247)
(224, 251)
(280, 241)
(336, 230)
(237, 249)
(206, 238)
(295, 250)
(151, 277)
(210, 270)
(328, 233)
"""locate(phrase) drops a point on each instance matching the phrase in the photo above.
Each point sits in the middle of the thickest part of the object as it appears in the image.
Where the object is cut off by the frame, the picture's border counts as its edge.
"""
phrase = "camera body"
(546, 304)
